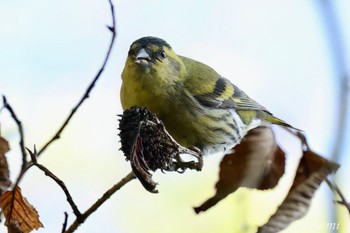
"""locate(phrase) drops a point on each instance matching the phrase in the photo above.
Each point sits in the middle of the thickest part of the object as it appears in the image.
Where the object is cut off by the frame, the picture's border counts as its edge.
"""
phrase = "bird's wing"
(243, 101)
(227, 95)
(212, 90)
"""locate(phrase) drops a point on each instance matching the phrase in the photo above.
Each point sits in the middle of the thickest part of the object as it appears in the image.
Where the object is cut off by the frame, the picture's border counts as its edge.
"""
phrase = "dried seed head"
(148, 146)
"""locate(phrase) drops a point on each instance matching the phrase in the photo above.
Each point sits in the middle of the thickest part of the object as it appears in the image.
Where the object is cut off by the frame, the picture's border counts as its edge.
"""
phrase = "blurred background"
(288, 55)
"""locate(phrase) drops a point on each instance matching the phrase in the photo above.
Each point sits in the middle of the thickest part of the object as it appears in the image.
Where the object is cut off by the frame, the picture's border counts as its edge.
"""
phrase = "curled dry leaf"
(4, 169)
(312, 170)
(148, 147)
(257, 162)
(20, 215)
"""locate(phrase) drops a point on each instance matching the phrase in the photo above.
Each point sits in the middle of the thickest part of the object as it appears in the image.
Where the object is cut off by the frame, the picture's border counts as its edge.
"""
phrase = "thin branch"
(100, 201)
(48, 173)
(63, 187)
(64, 227)
(90, 87)
(20, 130)
(337, 190)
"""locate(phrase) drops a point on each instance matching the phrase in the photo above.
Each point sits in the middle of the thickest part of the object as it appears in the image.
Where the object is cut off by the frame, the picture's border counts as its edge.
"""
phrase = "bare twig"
(90, 87)
(58, 181)
(337, 190)
(63, 187)
(20, 130)
(100, 201)
(64, 227)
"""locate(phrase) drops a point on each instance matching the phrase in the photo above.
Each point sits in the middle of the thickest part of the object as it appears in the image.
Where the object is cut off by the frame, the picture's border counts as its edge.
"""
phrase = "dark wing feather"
(230, 96)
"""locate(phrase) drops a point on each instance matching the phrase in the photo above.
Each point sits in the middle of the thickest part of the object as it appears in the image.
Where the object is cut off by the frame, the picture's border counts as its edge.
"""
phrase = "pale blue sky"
(277, 51)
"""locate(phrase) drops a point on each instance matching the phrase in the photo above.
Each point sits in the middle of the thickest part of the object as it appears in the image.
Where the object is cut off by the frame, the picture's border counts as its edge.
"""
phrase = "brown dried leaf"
(312, 170)
(257, 162)
(4, 169)
(20, 215)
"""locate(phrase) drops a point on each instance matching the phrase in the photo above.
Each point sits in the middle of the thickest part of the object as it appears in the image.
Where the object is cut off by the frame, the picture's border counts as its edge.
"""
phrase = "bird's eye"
(163, 54)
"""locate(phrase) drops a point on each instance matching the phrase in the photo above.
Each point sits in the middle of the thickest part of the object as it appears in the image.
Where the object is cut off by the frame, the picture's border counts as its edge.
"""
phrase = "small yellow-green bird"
(198, 107)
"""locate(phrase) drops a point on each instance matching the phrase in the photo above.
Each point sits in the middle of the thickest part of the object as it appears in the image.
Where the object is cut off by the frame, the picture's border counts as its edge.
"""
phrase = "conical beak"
(142, 57)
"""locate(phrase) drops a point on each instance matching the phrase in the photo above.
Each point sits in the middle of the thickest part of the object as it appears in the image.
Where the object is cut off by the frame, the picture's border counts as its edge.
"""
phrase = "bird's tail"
(274, 120)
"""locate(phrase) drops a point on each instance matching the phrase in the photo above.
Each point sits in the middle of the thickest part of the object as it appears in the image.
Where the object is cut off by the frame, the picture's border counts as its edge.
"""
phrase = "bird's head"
(155, 58)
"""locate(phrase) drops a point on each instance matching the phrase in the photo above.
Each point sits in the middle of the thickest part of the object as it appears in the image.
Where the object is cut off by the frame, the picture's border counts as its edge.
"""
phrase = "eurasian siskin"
(198, 107)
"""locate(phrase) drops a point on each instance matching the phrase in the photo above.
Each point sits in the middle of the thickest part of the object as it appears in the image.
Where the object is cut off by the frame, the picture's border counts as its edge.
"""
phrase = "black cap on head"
(144, 41)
